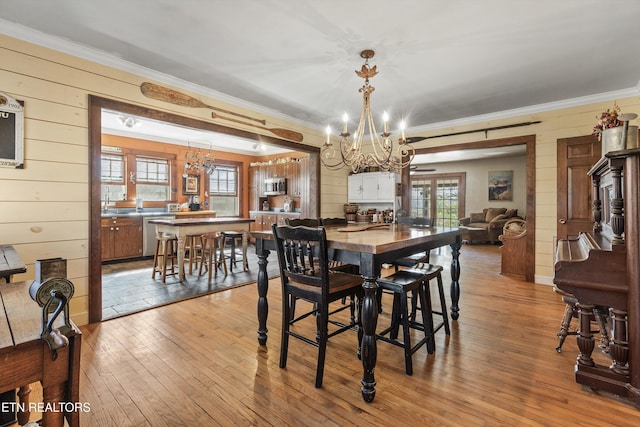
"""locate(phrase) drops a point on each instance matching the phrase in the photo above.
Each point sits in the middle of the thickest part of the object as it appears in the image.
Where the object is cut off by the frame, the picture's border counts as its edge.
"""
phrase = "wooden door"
(575, 191)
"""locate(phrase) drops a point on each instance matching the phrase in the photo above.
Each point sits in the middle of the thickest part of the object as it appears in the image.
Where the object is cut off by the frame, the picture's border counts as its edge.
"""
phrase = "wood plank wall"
(44, 207)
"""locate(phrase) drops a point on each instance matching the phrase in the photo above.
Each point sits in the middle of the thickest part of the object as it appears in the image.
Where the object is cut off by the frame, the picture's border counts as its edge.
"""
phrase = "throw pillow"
(494, 212)
(476, 217)
(495, 219)
(511, 213)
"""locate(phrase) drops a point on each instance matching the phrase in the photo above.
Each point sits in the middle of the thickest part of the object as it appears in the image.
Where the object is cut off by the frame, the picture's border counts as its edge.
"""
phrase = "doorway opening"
(97, 106)
(529, 141)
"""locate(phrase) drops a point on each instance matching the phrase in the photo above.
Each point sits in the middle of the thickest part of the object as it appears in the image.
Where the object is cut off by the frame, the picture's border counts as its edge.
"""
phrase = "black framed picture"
(191, 184)
(11, 132)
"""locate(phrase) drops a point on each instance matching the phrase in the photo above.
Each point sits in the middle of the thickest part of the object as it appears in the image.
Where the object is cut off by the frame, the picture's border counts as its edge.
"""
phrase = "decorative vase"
(612, 139)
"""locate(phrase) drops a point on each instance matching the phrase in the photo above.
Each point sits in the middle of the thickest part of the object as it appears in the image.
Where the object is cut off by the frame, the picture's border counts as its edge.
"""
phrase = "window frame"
(130, 174)
(240, 172)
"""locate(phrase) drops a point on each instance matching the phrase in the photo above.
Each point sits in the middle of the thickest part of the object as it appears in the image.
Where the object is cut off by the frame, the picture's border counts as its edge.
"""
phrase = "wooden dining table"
(369, 249)
(182, 228)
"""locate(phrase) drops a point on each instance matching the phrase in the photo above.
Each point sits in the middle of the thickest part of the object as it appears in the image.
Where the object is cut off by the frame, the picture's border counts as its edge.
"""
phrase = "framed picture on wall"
(191, 184)
(501, 185)
(11, 132)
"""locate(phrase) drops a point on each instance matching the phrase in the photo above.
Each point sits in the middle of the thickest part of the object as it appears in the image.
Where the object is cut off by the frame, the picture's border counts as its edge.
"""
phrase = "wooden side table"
(25, 358)
(10, 264)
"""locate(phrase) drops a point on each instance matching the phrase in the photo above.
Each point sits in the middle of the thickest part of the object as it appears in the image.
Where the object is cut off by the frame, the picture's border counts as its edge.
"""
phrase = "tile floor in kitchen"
(127, 287)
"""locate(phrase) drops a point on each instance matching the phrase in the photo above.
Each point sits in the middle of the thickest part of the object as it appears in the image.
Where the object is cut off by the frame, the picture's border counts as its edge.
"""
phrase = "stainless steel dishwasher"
(149, 233)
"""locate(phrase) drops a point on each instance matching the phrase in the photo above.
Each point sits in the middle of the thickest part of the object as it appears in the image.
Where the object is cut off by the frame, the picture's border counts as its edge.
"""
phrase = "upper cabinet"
(296, 172)
(373, 187)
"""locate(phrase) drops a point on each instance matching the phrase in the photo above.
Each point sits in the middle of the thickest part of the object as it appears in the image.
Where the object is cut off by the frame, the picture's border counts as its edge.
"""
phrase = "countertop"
(278, 211)
(134, 213)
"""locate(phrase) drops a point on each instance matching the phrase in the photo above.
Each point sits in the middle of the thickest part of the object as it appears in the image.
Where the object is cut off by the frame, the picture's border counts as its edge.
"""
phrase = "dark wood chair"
(303, 258)
(333, 264)
(305, 222)
(412, 260)
(422, 259)
(334, 221)
(400, 284)
(430, 272)
(338, 265)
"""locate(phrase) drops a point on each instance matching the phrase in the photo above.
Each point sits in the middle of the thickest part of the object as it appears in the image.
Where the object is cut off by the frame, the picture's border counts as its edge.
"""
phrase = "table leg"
(455, 276)
(263, 287)
(53, 395)
(23, 395)
(181, 272)
(245, 245)
(369, 349)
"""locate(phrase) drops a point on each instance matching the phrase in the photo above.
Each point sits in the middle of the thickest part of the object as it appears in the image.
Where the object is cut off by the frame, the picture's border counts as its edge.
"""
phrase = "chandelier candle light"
(383, 153)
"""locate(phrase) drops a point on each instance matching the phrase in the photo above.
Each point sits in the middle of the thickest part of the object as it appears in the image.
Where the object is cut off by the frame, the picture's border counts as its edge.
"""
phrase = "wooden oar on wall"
(282, 133)
(165, 94)
(160, 93)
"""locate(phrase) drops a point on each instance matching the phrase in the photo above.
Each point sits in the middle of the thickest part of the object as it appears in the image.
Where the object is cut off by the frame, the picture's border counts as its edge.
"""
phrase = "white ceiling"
(115, 123)
(440, 62)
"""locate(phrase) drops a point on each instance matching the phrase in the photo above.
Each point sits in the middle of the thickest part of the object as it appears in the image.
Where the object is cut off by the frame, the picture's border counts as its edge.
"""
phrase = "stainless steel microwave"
(275, 186)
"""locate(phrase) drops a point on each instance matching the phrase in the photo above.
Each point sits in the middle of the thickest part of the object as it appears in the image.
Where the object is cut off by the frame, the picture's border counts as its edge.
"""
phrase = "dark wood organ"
(602, 269)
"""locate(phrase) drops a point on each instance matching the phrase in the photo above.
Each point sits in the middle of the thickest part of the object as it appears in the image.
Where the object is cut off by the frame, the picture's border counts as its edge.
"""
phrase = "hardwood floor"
(198, 363)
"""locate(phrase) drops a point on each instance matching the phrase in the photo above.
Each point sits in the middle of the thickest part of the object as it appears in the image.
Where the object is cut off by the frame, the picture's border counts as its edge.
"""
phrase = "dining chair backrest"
(416, 221)
(302, 255)
(334, 221)
(306, 222)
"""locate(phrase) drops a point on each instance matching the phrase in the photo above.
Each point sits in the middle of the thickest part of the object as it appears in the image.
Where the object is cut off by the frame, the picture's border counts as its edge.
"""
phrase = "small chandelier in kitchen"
(383, 152)
(196, 161)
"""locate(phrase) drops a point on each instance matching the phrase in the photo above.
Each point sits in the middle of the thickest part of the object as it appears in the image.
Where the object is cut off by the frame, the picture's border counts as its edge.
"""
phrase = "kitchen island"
(183, 227)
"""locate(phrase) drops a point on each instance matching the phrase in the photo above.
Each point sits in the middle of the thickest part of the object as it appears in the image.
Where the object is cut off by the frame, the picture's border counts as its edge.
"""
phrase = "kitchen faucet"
(106, 200)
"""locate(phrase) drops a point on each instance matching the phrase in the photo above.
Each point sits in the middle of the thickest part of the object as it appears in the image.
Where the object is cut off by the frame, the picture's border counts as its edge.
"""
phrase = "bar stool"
(401, 283)
(431, 272)
(230, 238)
(193, 244)
(165, 256)
(210, 246)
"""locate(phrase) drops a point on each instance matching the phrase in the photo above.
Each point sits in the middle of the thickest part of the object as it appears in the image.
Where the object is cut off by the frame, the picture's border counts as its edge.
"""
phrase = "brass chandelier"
(383, 153)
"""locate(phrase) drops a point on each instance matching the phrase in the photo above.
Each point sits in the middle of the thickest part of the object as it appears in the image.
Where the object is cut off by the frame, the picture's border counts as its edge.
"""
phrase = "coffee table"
(469, 234)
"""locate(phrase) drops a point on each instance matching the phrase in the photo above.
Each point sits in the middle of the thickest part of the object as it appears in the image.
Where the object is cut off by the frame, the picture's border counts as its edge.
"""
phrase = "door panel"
(575, 192)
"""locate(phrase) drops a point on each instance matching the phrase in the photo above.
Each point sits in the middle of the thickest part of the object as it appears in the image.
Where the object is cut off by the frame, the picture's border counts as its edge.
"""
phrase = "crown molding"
(532, 109)
(30, 35)
(58, 44)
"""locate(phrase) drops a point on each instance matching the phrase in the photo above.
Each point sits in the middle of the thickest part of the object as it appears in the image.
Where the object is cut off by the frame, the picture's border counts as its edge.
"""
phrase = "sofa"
(486, 226)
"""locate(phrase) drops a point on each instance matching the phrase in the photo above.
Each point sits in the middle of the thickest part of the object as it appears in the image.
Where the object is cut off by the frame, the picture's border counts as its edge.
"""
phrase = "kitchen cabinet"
(295, 171)
(293, 178)
(263, 220)
(298, 175)
(373, 187)
(121, 237)
(256, 189)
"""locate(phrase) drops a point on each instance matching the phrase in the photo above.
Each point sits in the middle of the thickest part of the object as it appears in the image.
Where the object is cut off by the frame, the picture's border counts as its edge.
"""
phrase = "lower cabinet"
(121, 238)
(263, 220)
